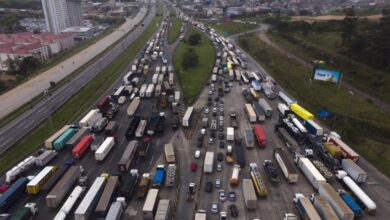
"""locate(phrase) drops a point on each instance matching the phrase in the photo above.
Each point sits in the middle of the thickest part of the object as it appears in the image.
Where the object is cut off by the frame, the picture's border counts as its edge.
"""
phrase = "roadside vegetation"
(80, 102)
(359, 48)
(362, 125)
(193, 60)
(231, 28)
(174, 30)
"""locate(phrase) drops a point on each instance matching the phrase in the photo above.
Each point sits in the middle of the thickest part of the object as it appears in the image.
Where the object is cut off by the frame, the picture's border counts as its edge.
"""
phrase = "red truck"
(103, 103)
(79, 150)
(259, 133)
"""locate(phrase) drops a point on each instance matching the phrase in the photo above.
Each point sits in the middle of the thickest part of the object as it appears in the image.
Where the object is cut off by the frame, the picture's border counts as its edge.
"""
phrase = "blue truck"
(158, 178)
(313, 128)
(352, 204)
(13, 194)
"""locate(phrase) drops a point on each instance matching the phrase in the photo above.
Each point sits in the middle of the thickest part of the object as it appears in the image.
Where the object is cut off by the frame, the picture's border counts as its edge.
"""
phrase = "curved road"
(15, 130)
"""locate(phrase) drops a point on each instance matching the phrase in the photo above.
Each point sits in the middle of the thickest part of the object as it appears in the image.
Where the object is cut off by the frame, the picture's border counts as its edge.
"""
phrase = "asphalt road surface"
(12, 132)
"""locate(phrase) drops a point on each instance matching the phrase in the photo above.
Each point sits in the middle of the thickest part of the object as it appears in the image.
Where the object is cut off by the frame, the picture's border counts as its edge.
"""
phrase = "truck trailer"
(322, 207)
(104, 148)
(150, 204)
(90, 199)
(342, 210)
(249, 194)
(127, 156)
(312, 174)
(305, 207)
(286, 165)
(107, 197)
(13, 194)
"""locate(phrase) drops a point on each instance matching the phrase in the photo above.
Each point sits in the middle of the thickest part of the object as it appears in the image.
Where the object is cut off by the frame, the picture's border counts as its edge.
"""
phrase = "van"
(197, 154)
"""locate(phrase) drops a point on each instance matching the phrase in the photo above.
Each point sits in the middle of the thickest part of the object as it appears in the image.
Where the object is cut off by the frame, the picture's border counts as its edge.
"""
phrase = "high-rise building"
(61, 14)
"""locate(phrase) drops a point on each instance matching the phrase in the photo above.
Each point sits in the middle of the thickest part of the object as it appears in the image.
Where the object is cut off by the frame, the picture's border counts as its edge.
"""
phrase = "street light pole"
(350, 104)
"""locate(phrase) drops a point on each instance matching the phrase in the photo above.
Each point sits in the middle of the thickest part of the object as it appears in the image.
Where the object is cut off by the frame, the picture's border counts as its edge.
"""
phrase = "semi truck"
(34, 186)
(60, 142)
(132, 127)
(150, 204)
(265, 107)
(354, 171)
(104, 148)
(82, 147)
(249, 139)
(312, 174)
(259, 111)
(143, 148)
(45, 157)
(352, 204)
(127, 156)
(313, 128)
(208, 162)
(159, 175)
(57, 194)
(322, 207)
(160, 124)
(249, 194)
(341, 209)
(152, 124)
(234, 180)
(107, 197)
(286, 165)
(259, 133)
(240, 156)
(348, 152)
(305, 207)
(149, 90)
(77, 137)
(286, 138)
(287, 100)
(258, 182)
(69, 203)
(163, 210)
(133, 106)
(25, 212)
(139, 132)
(143, 185)
(187, 119)
(13, 194)
(200, 215)
(90, 118)
(57, 176)
(301, 112)
(21, 167)
(49, 142)
(171, 175)
(110, 128)
(128, 184)
(103, 103)
(169, 153)
(90, 199)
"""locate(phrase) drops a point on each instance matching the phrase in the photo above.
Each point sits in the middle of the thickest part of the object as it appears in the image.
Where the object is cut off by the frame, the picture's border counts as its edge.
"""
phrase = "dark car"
(220, 128)
(220, 156)
(221, 136)
(212, 134)
(209, 186)
(216, 99)
(221, 144)
(199, 144)
(233, 210)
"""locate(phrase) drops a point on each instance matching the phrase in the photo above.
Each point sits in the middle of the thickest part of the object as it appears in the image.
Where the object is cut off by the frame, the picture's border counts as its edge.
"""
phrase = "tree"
(28, 64)
(194, 39)
(349, 26)
(190, 59)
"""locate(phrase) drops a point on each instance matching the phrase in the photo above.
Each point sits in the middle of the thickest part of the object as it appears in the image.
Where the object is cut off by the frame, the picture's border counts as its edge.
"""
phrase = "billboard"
(326, 75)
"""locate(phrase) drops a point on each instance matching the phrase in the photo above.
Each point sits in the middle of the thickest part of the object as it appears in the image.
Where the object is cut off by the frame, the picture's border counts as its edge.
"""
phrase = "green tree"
(349, 26)
(28, 64)
(190, 59)
(194, 39)
(2, 86)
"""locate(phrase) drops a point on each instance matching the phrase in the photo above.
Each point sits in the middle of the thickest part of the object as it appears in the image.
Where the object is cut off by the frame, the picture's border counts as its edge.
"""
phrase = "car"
(200, 137)
(220, 156)
(232, 196)
(221, 109)
(210, 92)
(220, 129)
(214, 114)
(194, 166)
(218, 183)
(214, 208)
(211, 141)
(219, 167)
(214, 110)
(216, 99)
(206, 110)
(209, 103)
(222, 195)
(197, 154)
(221, 144)
(215, 105)
(199, 144)
(233, 210)
(221, 123)
(212, 134)
(221, 136)
(209, 187)
(221, 118)
(222, 216)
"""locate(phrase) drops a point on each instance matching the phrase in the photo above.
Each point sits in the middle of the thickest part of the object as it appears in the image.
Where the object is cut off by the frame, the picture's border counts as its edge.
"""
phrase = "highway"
(14, 131)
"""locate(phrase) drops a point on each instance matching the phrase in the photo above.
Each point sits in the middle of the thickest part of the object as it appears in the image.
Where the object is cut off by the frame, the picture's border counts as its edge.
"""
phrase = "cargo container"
(15, 171)
(287, 100)
(187, 119)
(150, 205)
(159, 176)
(49, 142)
(171, 79)
(143, 185)
(259, 133)
(208, 162)
(116, 210)
(312, 174)
(90, 118)
(283, 109)
(45, 157)
(323, 208)
(155, 78)
(56, 176)
(13, 194)
(119, 92)
(160, 80)
(60, 142)
(234, 180)
(133, 106)
(142, 91)
(230, 134)
(249, 194)
(257, 179)
(128, 184)
(169, 153)
(77, 137)
(249, 139)
(342, 210)
(348, 153)
(352, 204)
(299, 125)
(305, 208)
(354, 171)
(313, 128)
(265, 107)
(111, 128)
(163, 210)
(286, 138)
(90, 199)
(58, 193)
(41, 178)
(82, 147)
(25, 212)
(259, 111)
(301, 112)
(107, 197)
(157, 91)
(104, 148)
(363, 198)
(103, 103)
(127, 156)
(149, 90)
(286, 165)
(69, 203)
(200, 216)
(250, 112)
(240, 156)
(139, 132)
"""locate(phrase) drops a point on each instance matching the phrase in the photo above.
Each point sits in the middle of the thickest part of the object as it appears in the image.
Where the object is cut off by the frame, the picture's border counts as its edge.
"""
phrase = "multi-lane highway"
(14, 131)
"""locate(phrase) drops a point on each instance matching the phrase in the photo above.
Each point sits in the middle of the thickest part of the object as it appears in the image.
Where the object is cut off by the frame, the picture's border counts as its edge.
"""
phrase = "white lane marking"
(151, 161)
(28, 124)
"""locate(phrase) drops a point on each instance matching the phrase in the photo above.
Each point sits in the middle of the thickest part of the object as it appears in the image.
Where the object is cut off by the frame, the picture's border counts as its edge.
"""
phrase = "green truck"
(60, 142)
(25, 213)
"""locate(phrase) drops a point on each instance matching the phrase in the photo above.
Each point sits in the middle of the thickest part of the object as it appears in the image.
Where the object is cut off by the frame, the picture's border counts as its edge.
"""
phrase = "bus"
(188, 117)
(79, 150)
(41, 178)
(127, 156)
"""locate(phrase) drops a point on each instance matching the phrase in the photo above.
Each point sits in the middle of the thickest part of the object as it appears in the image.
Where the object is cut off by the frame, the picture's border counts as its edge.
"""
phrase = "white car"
(197, 154)
(214, 208)
(222, 196)
(218, 183)
(206, 110)
(222, 216)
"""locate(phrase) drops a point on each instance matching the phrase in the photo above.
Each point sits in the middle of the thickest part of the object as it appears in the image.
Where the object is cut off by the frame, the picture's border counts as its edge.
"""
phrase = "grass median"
(174, 30)
(227, 29)
(363, 125)
(192, 79)
(79, 102)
